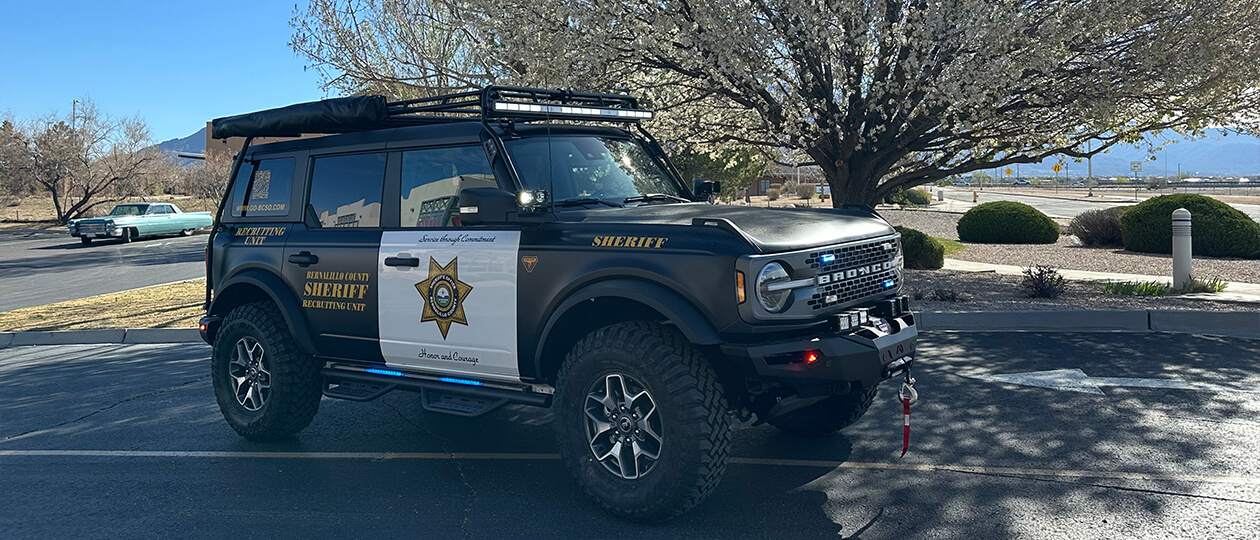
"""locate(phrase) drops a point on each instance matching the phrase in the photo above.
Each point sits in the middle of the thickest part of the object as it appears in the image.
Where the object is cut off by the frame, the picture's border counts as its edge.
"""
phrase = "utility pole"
(1089, 180)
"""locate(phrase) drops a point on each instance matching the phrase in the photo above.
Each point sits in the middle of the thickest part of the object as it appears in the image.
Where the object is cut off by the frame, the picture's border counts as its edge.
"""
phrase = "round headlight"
(773, 301)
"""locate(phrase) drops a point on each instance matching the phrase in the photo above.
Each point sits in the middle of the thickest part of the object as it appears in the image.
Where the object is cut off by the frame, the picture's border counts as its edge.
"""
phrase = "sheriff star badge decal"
(443, 295)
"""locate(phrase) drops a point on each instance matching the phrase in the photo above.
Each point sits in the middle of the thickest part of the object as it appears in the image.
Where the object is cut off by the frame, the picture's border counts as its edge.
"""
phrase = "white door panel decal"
(455, 312)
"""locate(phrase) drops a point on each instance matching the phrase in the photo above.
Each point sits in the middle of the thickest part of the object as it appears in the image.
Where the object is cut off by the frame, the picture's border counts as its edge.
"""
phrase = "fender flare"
(694, 326)
(278, 292)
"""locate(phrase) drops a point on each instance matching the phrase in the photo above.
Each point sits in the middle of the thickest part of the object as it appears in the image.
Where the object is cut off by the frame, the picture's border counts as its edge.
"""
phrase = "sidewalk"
(1235, 292)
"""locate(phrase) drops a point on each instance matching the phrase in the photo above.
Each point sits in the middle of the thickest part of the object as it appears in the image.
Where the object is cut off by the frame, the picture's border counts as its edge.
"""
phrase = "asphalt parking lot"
(1157, 436)
(42, 267)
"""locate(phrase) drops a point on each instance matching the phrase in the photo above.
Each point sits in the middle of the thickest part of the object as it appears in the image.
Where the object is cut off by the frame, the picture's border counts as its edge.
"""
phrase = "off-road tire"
(85, 240)
(695, 426)
(296, 386)
(829, 415)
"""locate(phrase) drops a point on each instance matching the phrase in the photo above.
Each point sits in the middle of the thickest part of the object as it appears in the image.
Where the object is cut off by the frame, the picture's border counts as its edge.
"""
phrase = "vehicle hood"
(768, 230)
(103, 219)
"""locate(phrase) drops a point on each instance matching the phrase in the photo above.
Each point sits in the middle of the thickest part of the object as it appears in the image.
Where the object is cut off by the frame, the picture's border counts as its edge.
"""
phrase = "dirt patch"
(176, 305)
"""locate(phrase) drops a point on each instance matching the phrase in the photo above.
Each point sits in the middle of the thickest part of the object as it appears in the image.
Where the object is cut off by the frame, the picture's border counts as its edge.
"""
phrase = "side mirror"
(705, 190)
(485, 205)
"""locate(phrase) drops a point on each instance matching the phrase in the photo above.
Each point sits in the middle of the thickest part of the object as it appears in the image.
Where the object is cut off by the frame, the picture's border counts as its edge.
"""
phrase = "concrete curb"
(1074, 321)
(1226, 323)
(101, 337)
(73, 337)
(162, 335)
(1245, 324)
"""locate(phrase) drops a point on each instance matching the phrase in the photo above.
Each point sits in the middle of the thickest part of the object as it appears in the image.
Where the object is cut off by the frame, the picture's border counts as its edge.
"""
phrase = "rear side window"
(346, 191)
(262, 188)
(431, 180)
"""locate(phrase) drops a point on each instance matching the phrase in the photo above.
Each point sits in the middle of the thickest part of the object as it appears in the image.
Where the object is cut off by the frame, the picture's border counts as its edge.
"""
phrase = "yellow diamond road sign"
(1008, 172)
(1057, 167)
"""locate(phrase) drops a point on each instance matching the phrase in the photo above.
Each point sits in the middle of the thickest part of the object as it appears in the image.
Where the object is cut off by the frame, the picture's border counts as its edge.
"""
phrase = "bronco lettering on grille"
(824, 279)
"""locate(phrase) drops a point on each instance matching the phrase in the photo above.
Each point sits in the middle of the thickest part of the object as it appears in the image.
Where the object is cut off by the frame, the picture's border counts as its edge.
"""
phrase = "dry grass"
(177, 305)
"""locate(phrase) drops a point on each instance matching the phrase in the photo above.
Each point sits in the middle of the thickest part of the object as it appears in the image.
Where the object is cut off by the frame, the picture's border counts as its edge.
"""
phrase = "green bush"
(1007, 222)
(1219, 229)
(922, 252)
(1099, 227)
(909, 197)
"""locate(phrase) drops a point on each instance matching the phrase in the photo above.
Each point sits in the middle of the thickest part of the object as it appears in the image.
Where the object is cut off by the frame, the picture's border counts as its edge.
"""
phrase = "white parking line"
(910, 467)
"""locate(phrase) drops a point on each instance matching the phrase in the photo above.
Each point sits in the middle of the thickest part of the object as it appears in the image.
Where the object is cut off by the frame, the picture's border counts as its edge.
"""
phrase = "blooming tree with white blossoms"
(881, 95)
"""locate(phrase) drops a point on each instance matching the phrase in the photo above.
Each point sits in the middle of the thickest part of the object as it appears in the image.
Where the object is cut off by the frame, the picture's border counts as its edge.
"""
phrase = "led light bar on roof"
(565, 110)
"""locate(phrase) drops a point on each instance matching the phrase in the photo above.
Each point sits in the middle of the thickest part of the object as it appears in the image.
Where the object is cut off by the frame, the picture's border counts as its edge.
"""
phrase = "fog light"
(863, 317)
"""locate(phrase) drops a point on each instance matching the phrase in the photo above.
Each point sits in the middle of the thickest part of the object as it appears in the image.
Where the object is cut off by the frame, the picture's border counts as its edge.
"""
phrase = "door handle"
(402, 261)
(304, 258)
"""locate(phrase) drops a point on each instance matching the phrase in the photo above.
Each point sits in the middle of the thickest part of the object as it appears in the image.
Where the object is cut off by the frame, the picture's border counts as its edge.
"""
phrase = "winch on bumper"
(871, 351)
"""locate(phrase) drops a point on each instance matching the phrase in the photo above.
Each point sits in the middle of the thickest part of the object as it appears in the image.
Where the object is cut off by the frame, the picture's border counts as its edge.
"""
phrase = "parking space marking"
(909, 467)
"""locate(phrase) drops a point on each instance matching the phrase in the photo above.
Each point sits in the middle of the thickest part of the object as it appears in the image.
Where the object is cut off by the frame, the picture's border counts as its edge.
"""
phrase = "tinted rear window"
(262, 188)
(346, 190)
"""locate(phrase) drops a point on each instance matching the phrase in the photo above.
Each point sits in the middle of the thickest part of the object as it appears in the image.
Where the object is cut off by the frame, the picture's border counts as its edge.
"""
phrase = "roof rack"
(492, 103)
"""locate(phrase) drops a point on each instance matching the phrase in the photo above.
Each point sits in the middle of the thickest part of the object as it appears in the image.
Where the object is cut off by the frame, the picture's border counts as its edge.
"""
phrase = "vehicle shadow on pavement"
(79, 256)
(962, 420)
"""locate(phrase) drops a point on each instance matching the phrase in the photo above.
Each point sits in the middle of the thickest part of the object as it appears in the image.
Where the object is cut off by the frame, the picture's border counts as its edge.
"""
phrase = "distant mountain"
(195, 143)
(1218, 153)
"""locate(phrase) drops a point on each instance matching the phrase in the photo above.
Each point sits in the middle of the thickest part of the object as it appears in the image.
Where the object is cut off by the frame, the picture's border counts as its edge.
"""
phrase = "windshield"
(128, 210)
(579, 167)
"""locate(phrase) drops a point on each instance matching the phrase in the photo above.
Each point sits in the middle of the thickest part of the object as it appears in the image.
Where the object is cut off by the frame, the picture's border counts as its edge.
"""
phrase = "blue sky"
(175, 64)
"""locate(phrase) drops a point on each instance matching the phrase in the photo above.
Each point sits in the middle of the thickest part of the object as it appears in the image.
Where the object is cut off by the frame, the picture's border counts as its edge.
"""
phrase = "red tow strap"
(905, 436)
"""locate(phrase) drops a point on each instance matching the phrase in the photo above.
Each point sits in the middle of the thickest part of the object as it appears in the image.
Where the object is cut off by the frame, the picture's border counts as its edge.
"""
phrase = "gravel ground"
(984, 291)
(1068, 254)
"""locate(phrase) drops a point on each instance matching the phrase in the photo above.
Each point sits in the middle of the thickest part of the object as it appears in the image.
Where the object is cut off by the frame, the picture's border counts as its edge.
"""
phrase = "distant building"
(351, 215)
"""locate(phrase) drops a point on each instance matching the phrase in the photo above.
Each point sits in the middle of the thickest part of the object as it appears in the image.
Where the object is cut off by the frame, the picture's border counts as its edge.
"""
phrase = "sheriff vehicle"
(526, 246)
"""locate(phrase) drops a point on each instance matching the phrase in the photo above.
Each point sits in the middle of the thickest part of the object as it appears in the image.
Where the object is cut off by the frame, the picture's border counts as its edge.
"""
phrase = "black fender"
(279, 293)
(694, 326)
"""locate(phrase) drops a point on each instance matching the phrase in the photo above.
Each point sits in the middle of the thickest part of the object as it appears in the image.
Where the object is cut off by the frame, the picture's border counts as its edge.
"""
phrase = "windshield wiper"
(654, 197)
(583, 201)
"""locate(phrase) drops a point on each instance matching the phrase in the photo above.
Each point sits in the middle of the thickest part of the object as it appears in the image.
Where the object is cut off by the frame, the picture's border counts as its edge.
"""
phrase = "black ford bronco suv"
(525, 246)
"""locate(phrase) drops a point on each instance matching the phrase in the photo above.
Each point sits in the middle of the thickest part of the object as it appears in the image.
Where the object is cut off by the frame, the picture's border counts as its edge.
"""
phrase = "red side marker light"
(812, 357)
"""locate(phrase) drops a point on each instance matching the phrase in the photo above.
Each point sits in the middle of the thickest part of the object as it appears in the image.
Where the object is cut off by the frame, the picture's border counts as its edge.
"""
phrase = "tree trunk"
(850, 177)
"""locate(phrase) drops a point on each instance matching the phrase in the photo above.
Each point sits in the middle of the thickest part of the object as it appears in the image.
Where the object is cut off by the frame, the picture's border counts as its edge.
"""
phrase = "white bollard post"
(1181, 248)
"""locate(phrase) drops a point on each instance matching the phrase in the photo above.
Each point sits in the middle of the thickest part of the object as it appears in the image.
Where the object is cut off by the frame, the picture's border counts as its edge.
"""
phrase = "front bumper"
(866, 356)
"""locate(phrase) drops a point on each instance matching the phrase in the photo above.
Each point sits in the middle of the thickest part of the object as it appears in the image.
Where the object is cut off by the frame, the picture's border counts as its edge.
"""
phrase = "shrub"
(805, 191)
(1007, 222)
(1042, 282)
(922, 252)
(909, 197)
(772, 194)
(1219, 229)
(1099, 227)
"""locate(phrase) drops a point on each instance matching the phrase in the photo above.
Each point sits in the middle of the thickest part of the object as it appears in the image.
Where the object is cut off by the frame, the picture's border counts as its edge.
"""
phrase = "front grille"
(854, 289)
(95, 228)
(849, 257)
(855, 255)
